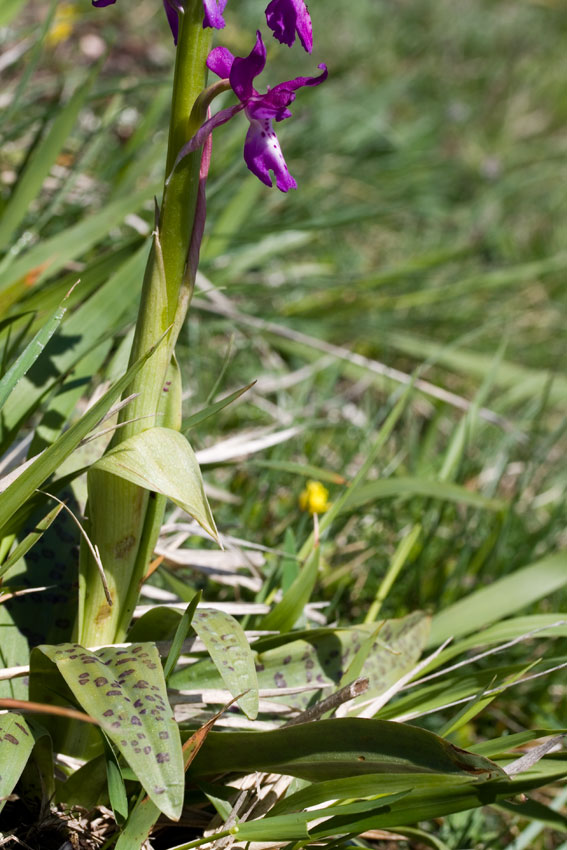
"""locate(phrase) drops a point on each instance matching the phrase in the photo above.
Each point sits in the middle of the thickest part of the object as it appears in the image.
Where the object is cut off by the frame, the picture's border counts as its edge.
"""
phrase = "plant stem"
(118, 510)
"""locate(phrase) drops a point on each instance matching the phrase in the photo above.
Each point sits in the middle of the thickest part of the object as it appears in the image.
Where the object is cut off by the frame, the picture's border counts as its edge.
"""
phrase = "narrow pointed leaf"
(124, 690)
(283, 616)
(180, 634)
(30, 354)
(40, 162)
(30, 539)
(19, 491)
(212, 409)
(364, 786)
(162, 460)
(407, 487)
(501, 598)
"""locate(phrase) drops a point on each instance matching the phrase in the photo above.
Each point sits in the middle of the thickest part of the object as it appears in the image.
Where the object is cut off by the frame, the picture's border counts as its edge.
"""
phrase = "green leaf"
(30, 354)
(536, 811)
(162, 460)
(212, 409)
(338, 820)
(463, 684)
(501, 598)
(322, 655)
(40, 162)
(16, 744)
(159, 623)
(407, 487)
(364, 786)
(180, 634)
(139, 824)
(287, 611)
(124, 690)
(334, 748)
(229, 650)
(503, 746)
(51, 255)
(87, 786)
(30, 539)
(9, 10)
(540, 626)
(116, 788)
(20, 490)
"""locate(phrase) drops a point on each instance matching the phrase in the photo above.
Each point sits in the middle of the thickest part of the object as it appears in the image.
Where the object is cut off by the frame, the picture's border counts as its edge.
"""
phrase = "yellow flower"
(62, 25)
(314, 498)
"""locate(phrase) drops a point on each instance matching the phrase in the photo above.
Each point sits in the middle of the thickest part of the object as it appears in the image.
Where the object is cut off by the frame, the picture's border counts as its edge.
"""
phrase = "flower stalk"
(123, 518)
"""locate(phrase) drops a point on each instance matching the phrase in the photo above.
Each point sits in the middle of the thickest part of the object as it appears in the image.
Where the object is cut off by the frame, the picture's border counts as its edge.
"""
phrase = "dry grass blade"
(42, 708)
(374, 366)
(245, 444)
(332, 702)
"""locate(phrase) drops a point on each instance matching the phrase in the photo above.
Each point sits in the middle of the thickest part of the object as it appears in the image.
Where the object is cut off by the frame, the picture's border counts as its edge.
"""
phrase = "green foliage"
(124, 690)
(161, 460)
(16, 744)
(421, 251)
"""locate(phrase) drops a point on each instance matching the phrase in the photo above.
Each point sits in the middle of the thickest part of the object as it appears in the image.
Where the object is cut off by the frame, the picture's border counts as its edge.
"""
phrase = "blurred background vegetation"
(427, 233)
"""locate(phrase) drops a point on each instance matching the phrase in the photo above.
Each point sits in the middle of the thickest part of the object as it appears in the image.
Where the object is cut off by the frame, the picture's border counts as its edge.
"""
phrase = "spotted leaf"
(323, 656)
(231, 654)
(124, 690)
(16, 744)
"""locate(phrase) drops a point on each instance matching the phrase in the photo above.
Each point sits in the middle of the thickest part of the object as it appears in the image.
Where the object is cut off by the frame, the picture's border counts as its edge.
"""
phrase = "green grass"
(427, 234)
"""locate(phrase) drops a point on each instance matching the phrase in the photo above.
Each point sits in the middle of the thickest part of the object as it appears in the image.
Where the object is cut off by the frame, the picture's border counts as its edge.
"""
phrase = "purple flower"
(213, 10)
(262, 152)
(213, 13)
(286, 17)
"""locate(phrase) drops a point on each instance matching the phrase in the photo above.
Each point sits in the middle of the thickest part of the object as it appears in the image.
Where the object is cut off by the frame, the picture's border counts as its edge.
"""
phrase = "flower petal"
(244, 70)
(262, 154)
(101, 3)
(213, 13)
(172, 18)
(286, 17)
(278, 92)
(219, 61)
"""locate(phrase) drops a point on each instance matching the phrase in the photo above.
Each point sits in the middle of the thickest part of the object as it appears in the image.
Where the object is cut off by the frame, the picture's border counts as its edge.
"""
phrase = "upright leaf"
(124, 690)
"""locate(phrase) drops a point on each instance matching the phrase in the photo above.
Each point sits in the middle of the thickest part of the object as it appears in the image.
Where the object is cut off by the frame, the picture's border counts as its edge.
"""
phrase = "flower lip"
(262, 152)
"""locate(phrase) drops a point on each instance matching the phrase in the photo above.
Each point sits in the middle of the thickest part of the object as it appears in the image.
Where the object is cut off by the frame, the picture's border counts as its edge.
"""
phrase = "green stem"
(118, 522)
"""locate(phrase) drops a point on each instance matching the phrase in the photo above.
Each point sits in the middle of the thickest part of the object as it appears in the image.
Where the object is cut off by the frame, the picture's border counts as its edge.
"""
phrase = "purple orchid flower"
(262, 152)
(213, 10)
(286, 17)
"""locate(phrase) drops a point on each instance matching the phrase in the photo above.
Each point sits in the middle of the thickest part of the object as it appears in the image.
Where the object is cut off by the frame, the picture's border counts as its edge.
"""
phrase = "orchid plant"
(104, 692)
